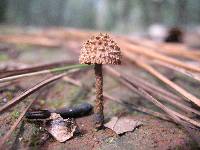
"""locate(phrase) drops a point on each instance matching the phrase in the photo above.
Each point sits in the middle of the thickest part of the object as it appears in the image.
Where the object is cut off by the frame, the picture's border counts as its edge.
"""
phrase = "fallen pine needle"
(147, 85)
(19, 98)
(130, 49)
(6, 73)
(152, 91)
(183, 92)
(181, 70)
(54, 70)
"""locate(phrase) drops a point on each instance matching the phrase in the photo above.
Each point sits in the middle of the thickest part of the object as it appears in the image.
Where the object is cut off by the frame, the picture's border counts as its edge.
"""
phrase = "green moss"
(110, 140)
(35, 137)
(15, 114)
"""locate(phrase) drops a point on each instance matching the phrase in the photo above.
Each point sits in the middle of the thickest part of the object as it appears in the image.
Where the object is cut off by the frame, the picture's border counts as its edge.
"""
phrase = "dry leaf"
(61, 129)
(122, 124)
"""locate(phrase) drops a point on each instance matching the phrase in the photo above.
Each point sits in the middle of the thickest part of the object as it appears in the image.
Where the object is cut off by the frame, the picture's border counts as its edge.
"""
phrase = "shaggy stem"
(98, 110)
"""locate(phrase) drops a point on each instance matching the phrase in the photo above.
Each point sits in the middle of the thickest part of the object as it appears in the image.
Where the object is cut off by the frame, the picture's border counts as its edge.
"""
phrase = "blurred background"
(150, 18)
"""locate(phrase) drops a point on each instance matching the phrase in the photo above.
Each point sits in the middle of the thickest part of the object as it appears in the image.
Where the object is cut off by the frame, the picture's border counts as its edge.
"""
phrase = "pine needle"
(54, 70)
(22, 96)
(183, 92)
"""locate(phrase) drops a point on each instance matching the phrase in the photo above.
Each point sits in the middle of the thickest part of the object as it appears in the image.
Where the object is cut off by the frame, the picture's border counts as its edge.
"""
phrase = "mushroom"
(98, 50)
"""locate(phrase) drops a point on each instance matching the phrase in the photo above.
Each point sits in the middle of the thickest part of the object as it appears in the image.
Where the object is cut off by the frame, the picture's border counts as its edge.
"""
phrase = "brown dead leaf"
(61, 129)
(122, 124)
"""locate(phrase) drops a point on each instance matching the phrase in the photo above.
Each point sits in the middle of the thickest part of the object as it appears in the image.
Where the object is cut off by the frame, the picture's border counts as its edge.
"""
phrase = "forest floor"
(153, 134)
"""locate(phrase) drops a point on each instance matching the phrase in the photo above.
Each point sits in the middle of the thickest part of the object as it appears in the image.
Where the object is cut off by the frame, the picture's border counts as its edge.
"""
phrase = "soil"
(153, 134)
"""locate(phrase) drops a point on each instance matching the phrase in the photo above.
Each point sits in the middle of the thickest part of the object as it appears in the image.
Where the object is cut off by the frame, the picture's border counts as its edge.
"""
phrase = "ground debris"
(122, 124)
(61, 129)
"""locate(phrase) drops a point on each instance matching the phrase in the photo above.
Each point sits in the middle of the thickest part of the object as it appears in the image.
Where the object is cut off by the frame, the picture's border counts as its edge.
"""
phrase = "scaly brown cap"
(100, 50)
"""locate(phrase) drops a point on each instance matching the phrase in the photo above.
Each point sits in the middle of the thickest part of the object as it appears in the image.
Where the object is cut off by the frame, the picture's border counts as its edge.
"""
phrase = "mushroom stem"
(98, 110)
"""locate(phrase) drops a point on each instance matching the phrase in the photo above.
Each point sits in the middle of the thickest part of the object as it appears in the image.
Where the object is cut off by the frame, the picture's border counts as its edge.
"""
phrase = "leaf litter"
(61, 129)
(123, 124)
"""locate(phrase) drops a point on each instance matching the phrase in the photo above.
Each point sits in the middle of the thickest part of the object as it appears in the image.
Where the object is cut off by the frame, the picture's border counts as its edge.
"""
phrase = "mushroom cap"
(100, 49)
